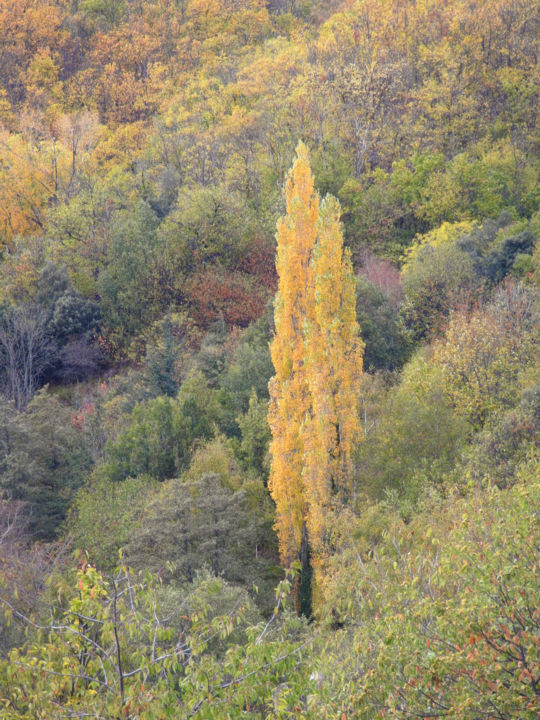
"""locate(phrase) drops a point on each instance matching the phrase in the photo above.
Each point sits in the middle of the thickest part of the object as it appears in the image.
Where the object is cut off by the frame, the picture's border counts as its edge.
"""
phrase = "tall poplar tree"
(317, 358)
(289, 388)
(333, 356)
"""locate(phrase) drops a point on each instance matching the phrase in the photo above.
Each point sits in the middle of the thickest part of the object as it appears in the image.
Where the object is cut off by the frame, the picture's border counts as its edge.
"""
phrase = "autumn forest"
(269, 361)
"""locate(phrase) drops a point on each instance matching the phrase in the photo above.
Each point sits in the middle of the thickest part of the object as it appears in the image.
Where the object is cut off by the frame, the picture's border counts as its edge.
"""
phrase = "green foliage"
(197, 412)
(52, 283)
(110, 12)
(503, 444)
(375, 216)
(215, 457)
(438, 274)
(121, 646)
(442, 618)
(104, 514)
(212, 355)
(71, 314)
(166, 358)
(197, 523)
(136, 267)
(209, 224)
(502, 258)
(74, 315)
(250, 369)
(441, 238)
(426, 190)
(43, 461)
(255, 437)
(80, 231)
(382, 329)
(246, 370)
(147, 446)
(483, 353)
(477, 184)
(454, 265)
(415, 440)
(159, 438)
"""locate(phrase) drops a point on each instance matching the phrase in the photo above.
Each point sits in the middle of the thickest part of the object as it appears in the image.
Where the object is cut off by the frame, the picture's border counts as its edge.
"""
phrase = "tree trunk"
(303, 595)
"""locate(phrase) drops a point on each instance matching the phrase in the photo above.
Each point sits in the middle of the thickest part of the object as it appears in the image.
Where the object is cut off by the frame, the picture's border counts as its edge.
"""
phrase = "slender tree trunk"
(304, 595)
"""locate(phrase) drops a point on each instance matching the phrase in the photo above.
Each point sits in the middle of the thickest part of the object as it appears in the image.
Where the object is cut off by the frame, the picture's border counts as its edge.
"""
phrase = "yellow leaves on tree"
(28, 175)
(317, 357)
(484, 353)
(38, 169)
(289, 389)
(334, 365)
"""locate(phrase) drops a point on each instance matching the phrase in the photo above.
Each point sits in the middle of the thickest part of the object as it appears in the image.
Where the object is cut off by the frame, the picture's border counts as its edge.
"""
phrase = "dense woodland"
(269, 368)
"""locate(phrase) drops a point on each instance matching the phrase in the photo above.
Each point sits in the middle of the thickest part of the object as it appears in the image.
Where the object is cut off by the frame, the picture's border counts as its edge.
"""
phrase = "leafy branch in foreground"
(121, 646)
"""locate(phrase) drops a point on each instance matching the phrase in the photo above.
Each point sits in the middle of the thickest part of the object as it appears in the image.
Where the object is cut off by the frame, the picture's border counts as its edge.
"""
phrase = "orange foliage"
(259, 261)
(26, 29)
(333, 352)
(233, 297)
(289, 389)
(317, 356)
(29, 179)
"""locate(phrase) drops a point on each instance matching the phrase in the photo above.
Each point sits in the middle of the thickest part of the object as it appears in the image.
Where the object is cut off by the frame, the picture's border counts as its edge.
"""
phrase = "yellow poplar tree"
(317, 358)
(289, 389)
(333, 353)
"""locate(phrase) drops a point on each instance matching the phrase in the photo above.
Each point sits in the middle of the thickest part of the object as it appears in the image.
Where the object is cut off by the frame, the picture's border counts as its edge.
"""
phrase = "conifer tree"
(317, 358)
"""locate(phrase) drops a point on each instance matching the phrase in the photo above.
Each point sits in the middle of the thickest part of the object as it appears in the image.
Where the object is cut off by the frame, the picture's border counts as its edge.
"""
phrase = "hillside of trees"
(269, 359)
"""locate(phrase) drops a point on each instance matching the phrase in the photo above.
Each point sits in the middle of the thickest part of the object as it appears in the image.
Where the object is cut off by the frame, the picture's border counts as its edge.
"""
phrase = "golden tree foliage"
(29, 178)
(289, 389)
(39, 169)
(334, 366)
(318, 361)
